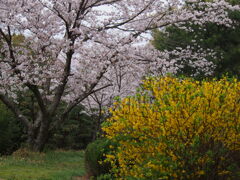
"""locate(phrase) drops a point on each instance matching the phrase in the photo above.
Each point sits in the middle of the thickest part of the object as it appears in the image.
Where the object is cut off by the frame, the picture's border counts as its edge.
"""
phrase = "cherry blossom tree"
(72, 48)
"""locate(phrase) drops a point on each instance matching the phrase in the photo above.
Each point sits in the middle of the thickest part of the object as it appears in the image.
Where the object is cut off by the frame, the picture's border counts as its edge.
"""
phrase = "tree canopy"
(71, 50)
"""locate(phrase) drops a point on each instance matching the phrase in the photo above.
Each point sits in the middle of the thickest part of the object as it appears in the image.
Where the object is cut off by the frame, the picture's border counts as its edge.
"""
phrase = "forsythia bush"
(177, 129)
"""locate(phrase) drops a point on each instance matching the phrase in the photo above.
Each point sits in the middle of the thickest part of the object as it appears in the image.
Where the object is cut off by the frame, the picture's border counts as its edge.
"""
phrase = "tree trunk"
(38, 136)
(97, 127)
(42, 136)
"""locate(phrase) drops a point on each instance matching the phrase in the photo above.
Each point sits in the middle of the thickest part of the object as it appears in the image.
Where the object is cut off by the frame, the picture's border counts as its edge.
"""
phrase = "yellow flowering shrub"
(177, 129)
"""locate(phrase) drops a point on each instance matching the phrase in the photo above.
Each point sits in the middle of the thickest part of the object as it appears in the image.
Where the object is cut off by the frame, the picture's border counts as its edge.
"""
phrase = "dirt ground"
(86, 177)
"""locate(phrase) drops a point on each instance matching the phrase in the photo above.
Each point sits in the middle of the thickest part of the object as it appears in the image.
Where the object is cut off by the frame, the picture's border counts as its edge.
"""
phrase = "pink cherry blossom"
(77, 50)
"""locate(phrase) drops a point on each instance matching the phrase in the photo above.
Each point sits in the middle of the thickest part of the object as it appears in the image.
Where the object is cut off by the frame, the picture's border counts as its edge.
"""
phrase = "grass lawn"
(53, 165)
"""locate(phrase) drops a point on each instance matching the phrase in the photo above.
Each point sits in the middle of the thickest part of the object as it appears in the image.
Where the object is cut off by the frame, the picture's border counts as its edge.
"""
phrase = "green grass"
(54, 165)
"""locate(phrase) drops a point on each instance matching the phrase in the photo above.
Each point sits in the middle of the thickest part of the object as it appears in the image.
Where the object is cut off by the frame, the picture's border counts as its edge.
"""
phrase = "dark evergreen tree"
(223, 40)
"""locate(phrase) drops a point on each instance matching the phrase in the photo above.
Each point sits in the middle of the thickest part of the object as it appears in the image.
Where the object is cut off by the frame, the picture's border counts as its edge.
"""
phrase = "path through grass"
(55, 165)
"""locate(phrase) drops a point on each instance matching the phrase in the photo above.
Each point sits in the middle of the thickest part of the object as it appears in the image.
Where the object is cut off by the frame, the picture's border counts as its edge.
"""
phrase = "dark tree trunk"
(42, 136)
(38, 136)
(97, 127)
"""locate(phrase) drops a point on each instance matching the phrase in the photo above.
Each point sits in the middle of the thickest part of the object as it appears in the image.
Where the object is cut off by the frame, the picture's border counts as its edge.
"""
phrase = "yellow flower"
(172, 122)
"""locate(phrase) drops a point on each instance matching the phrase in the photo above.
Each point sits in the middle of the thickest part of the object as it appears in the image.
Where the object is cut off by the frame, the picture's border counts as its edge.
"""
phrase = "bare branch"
(60, 89)
(128, 20)
(38, 96)
(75, 103)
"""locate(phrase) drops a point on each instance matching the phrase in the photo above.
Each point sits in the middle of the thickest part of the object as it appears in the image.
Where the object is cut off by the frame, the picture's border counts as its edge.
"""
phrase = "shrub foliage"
(177, 129)
(95, 156)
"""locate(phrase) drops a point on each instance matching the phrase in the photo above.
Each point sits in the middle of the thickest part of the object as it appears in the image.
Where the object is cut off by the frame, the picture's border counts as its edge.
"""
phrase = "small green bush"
(95, 156)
